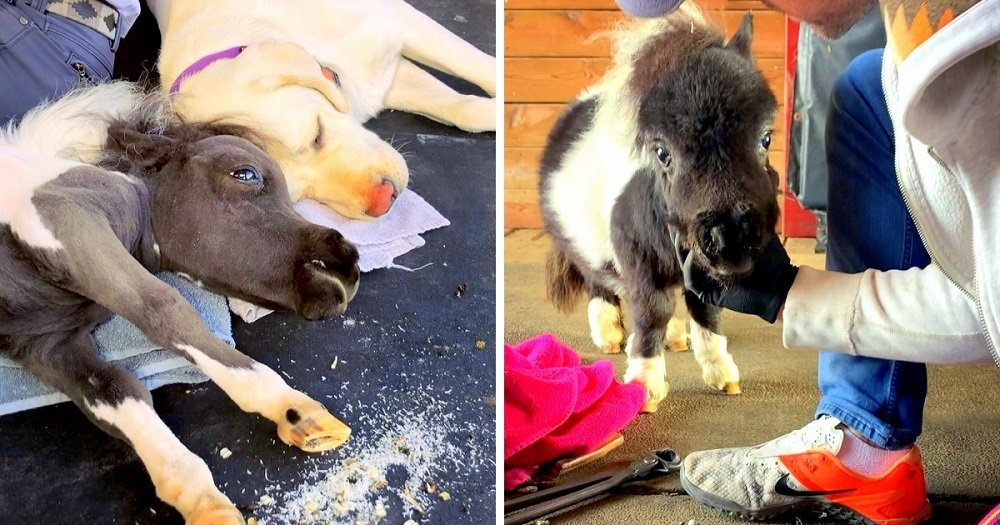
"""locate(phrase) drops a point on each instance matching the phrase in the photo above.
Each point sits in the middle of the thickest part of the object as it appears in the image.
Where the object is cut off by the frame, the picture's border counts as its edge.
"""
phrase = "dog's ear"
(741, 40)
(320, 84)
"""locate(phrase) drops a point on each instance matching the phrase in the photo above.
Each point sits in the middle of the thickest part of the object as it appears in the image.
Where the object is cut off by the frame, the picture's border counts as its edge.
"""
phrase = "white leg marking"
(605, 325)
(181, 478)
(257, 389)
(651, 373)
(677, 335)
(717, 367)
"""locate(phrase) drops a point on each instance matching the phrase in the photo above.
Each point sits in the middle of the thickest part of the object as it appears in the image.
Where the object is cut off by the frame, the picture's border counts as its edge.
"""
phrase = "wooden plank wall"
(549, 58)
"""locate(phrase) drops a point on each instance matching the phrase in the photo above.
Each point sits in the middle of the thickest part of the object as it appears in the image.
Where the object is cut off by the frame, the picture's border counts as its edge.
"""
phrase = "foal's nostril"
(730, 236)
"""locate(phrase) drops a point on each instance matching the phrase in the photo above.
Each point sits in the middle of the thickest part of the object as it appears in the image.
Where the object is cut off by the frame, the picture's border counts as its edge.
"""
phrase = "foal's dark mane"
(153, 118)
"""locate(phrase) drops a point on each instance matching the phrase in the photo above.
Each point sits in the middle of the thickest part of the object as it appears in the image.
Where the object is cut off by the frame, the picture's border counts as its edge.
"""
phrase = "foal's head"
(221, 214)
(705, 117)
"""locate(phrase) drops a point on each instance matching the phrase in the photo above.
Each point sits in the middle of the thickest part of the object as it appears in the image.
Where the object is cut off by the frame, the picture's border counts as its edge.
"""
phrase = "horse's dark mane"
(153, 117)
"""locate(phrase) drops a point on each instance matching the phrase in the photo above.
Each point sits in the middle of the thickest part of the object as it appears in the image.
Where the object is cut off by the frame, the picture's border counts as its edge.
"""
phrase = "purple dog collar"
(201, 64)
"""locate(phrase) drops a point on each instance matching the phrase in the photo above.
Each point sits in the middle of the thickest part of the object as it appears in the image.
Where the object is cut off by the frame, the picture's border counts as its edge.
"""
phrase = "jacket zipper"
(920, 233)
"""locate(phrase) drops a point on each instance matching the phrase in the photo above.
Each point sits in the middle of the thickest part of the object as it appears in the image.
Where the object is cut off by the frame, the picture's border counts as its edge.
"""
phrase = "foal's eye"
(247, 174)
(663, 155)
(765, 141)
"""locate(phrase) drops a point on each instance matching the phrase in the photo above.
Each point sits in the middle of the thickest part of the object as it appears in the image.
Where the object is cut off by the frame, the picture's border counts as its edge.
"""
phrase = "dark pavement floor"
(413, 361)
(959, 442)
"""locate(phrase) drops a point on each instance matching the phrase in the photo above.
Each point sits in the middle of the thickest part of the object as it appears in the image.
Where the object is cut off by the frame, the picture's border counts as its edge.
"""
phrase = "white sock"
(857, 454)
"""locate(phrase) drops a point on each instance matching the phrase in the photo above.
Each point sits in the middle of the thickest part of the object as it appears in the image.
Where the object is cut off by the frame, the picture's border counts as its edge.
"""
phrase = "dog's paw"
(606, 327)
(677, 337)
(308, 426)
(651, 374)
(475, 114)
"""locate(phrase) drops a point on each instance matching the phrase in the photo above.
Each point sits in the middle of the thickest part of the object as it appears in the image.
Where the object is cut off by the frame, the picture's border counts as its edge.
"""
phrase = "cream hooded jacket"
(943, 95)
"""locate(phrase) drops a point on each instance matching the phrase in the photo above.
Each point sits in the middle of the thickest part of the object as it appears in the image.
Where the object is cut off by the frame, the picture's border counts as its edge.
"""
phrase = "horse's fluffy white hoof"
(651, 374)
(677, 335)
(732, 388)
(313, 430)
(677, 346)
(606, 327)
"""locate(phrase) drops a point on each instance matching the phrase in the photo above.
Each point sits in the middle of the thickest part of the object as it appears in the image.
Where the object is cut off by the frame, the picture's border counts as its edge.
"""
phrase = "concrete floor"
(779, 394)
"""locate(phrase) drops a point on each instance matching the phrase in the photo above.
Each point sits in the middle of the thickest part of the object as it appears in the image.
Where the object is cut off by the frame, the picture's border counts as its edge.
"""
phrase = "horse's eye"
(247, 174)
(663, 156)
(765, 141)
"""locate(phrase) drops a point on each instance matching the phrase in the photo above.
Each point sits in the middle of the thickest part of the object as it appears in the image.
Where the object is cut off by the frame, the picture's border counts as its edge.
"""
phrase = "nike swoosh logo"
(782, 487)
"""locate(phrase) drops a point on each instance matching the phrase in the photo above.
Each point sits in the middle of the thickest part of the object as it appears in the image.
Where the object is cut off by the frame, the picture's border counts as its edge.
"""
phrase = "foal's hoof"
(649, 407)
(613, 348)
(217, 517)
(678, 346)
(732, 388)
(315, 431)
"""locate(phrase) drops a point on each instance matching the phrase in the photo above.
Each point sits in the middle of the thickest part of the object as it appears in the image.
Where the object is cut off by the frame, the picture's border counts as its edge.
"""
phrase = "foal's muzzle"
(730, 239)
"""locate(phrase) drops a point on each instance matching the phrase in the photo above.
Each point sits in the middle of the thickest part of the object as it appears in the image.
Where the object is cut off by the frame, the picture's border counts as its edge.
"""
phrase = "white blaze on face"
(21, 173)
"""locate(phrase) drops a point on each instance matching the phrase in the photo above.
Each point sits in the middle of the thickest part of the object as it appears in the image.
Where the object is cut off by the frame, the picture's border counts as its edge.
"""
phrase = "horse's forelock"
(154, 117)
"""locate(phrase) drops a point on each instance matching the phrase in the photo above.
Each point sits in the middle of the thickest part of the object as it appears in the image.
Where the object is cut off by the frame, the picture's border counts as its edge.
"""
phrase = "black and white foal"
(78, 243)
(671, 144)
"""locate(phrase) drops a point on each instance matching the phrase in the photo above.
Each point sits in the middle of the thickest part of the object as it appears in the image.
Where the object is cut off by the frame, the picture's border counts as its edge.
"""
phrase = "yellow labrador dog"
(309, 73)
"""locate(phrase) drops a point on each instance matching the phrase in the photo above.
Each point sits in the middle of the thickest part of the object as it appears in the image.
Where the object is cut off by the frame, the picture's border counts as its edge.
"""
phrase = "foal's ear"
(143, 151)
(741, 40)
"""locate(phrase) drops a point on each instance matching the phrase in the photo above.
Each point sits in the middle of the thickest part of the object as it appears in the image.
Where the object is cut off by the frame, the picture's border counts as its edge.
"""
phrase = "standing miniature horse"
(78, 243)
(671, 145)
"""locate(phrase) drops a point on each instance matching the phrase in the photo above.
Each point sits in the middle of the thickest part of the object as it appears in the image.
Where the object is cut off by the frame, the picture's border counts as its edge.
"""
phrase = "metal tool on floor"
(524, 509)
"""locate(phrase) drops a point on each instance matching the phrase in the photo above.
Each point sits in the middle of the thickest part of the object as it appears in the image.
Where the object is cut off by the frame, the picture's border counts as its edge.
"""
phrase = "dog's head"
(281, 91)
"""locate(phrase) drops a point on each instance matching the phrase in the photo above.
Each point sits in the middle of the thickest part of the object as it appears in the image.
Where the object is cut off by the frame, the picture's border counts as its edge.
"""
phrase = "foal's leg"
(429, 43)
(105, 272)
(717, 367)
(676, 334)
(604, 312)
(120, 405)
(416, 91)
(652, 306)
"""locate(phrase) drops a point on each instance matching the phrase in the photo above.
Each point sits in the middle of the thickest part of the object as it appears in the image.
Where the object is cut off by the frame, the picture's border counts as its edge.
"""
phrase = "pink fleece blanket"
(556, 408)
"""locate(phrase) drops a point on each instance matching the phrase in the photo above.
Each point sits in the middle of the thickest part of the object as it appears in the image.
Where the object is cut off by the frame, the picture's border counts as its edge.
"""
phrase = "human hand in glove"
(762, 293)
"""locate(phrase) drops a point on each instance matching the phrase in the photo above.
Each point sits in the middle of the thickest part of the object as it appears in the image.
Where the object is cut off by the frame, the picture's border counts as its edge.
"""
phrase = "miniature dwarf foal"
(672, 144)
(78, 243)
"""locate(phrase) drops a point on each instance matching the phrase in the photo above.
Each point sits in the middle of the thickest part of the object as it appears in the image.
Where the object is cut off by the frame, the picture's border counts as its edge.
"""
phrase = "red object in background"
(796, 221)
(556, 408)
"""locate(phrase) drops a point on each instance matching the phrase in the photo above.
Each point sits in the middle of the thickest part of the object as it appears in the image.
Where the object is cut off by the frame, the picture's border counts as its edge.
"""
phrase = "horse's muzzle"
(730, 239)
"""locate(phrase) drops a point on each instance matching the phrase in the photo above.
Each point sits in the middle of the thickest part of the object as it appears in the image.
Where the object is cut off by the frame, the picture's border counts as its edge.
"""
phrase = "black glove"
(762, 293)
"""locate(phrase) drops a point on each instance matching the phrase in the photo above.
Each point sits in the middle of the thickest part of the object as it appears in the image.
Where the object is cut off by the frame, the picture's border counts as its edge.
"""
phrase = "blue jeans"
(42, 56)
(869, 227)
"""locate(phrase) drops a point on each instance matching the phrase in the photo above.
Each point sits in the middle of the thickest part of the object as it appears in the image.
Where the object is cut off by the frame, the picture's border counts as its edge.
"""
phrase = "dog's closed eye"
(318, 141)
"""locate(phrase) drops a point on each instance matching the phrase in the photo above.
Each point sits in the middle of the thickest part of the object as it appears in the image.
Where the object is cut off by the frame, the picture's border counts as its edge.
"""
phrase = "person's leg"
(824, 466)
(869, 227)
(42, 56)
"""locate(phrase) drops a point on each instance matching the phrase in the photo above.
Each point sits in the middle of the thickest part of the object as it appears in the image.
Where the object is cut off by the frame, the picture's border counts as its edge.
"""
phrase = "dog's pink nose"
(380, 198)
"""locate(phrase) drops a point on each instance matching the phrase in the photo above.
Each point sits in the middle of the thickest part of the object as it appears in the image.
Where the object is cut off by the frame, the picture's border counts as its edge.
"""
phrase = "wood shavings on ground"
(382, 478)
(225, 453)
